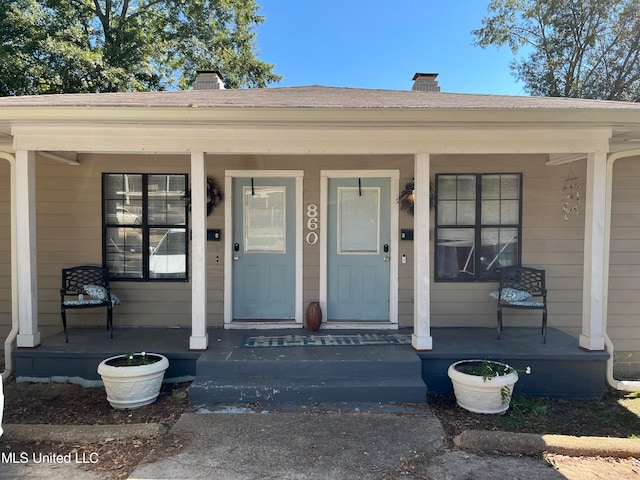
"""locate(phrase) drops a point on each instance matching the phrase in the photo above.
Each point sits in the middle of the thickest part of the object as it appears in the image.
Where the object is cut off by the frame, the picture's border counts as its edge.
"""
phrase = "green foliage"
(569, 48)
(68, 46)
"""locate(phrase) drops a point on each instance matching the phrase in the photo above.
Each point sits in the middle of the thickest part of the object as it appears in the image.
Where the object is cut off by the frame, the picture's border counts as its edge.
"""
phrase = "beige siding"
(5, 248)
(548, 242)
(69, 233)
(624, 267)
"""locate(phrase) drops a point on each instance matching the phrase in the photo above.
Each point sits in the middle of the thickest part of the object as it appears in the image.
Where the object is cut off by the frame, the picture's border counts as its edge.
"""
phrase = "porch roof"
(319, 105)
(314, 96)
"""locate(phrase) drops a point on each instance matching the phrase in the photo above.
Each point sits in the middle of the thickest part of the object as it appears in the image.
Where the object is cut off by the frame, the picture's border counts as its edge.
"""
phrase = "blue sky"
(381, 44)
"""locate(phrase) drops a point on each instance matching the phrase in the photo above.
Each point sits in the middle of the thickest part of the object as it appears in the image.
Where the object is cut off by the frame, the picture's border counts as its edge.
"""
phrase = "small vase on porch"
(483, 386)
(133, 380)
(314, 316)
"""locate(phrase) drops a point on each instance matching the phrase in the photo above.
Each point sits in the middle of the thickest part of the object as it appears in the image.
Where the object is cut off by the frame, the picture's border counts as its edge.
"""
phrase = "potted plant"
(133, 380)
(483, 386)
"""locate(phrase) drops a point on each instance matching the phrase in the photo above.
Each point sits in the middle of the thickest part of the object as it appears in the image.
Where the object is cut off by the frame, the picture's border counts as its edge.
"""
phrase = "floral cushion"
(510, 295)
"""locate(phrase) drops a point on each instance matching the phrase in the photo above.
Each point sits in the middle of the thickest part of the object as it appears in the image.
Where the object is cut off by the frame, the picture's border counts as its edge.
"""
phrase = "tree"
(572, 48)
(66, 46)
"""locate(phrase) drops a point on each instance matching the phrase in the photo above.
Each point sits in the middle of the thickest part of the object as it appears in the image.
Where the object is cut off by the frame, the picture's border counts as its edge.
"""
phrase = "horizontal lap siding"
(5, 248)
(548, 242)
(624, 265)
(69, 232)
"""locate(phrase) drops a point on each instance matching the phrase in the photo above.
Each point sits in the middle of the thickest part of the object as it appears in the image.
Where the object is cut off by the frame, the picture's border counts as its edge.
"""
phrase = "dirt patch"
(68, 404)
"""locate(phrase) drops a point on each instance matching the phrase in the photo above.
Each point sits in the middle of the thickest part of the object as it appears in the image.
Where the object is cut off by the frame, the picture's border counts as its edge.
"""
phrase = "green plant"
(488, 369)
(135, 359)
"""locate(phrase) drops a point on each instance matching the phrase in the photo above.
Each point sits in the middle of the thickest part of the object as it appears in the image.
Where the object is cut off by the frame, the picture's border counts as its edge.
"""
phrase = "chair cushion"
(528, 303)
(88, 301)
(96, 291)
(99, 293)
(510, 295)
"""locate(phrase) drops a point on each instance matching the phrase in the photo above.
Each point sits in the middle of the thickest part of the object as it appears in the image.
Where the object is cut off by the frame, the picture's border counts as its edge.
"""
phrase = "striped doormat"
(350, 340)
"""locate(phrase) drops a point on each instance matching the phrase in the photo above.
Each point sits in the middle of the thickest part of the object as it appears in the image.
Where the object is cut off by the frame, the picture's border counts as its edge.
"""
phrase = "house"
(310, 178)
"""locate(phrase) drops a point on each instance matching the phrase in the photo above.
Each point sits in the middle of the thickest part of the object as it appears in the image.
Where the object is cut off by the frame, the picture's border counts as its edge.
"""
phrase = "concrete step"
(320, 390)
(309, 374)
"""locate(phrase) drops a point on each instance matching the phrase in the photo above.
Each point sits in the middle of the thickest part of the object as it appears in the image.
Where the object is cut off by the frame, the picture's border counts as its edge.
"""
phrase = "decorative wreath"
(408, 196)
(214, 195)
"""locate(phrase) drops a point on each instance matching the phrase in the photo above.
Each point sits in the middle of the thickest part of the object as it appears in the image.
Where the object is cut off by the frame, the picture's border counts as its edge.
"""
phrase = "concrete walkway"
(242, 444)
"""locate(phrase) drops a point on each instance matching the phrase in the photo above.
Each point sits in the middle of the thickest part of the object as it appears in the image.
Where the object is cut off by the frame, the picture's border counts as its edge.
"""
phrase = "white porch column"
(199, 337)
(421, 338)
(593, 294)
(28, 335)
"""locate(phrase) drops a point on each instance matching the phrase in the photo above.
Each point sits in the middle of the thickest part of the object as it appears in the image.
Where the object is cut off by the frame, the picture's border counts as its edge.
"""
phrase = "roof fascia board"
(364, 116)
(308, 139)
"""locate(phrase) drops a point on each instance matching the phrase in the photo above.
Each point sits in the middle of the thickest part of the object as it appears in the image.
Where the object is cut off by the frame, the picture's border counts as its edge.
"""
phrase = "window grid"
(472, 251)
(145, 226)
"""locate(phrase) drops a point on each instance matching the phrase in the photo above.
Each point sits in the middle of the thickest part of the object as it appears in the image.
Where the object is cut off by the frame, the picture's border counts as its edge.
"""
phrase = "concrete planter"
(132, 386)
(480, 395)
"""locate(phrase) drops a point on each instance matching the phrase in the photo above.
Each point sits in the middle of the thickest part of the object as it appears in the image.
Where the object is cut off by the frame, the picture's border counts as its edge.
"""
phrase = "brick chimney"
(425, 82)
(209, 80)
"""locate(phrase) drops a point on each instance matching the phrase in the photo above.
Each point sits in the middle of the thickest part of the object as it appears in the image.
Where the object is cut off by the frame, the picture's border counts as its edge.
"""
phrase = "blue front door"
(358, 244)
(264, 248)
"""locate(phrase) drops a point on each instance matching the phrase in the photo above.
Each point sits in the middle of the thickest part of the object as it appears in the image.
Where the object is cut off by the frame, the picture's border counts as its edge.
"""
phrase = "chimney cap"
(208, 80)
(430, 75)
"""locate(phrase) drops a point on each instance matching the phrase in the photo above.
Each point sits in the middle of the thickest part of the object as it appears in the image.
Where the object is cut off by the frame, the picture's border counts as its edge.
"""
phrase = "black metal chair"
(89, 281)
(523, 279)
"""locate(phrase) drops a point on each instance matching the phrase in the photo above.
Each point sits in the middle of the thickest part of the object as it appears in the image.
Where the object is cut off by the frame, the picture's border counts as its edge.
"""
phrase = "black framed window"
(145, 226)
(478, 225)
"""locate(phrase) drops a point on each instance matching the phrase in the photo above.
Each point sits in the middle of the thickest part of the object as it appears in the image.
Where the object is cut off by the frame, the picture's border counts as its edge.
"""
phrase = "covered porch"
(230, 372)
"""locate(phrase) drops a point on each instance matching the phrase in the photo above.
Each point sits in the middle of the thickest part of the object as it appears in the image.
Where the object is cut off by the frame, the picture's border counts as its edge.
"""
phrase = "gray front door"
(264, 248)
(358, 243)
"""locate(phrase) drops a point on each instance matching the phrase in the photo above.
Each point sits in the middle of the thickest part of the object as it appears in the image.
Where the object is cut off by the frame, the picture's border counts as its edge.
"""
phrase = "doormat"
(351, 340)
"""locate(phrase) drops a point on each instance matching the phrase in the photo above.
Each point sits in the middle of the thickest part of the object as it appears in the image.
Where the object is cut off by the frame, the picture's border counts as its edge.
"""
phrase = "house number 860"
(312, 224)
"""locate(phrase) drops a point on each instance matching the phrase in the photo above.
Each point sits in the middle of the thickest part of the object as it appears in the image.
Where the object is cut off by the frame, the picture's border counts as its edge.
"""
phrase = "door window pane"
(358, 219)
(264, 218)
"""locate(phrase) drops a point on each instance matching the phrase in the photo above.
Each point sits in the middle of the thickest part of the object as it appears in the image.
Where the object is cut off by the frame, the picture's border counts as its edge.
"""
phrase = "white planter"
(132, 386)
(478, 395)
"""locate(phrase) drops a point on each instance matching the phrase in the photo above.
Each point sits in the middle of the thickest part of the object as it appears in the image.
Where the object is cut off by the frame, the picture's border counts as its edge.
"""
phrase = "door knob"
(387, 259)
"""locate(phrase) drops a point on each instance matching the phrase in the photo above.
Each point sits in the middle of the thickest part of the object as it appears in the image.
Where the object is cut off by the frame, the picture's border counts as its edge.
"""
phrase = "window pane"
(491, 212)
(447, 187)
(499, 248)
(510, 187)
(166, 202)
(510, 212)
(466, 213)
(124, 252)
(123, 199)
(358, 220)
(168, 253)
(490, 187)
(455, 253)
(447, 212)
(264, 219)
(467, 187)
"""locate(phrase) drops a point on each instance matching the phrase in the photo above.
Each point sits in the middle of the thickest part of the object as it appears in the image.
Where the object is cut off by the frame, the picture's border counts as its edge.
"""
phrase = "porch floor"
(559, 367)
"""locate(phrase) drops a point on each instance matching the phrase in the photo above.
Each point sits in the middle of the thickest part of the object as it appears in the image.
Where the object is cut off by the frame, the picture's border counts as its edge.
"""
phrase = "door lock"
(386, 248)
